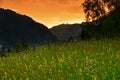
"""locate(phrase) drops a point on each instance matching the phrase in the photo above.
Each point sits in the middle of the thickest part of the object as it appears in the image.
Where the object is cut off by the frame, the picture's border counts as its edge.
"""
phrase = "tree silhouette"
(95, 9)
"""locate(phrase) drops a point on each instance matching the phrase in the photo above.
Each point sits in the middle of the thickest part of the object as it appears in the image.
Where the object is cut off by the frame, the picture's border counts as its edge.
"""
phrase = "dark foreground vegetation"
(104, 16)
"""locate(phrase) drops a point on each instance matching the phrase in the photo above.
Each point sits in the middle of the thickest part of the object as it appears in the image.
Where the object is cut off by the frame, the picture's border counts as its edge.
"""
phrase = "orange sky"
(48, 12)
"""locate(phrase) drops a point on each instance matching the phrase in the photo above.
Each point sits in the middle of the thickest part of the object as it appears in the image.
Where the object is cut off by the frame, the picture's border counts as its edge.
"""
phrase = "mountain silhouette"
(14, 27)
(67, 32)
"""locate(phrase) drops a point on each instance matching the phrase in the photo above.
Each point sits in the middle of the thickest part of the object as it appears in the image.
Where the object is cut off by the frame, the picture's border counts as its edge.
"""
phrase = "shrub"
(21, 46)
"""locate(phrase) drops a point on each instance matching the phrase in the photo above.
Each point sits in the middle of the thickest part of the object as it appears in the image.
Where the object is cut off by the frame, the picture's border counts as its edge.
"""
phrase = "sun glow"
(48, 12)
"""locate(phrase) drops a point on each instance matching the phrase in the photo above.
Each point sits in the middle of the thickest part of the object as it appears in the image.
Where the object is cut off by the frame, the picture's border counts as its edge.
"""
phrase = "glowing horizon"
(48, 12)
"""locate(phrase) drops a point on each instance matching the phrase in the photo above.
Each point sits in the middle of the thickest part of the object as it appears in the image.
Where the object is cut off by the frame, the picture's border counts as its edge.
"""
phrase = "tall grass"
(93, 60)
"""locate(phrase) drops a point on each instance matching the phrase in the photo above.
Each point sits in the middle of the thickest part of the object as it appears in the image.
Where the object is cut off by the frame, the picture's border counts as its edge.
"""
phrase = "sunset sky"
(48, 12)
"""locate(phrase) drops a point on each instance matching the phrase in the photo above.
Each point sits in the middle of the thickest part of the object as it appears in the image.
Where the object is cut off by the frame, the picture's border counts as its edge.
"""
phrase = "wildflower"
(35, 73)
(88, 62)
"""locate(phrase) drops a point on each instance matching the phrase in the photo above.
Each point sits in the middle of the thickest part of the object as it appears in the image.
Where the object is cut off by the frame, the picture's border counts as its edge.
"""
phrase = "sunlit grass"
(92, 60)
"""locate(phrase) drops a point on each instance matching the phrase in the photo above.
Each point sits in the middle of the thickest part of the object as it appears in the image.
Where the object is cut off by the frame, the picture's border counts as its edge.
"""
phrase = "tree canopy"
(95, 9)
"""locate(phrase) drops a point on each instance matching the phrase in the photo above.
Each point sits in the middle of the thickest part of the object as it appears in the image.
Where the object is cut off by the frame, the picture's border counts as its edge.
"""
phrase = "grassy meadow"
(83, 60)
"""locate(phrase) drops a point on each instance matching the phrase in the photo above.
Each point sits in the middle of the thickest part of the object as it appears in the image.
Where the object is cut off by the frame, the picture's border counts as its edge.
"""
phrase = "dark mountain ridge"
(107, 27)
(14, 27)
(67, 32)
